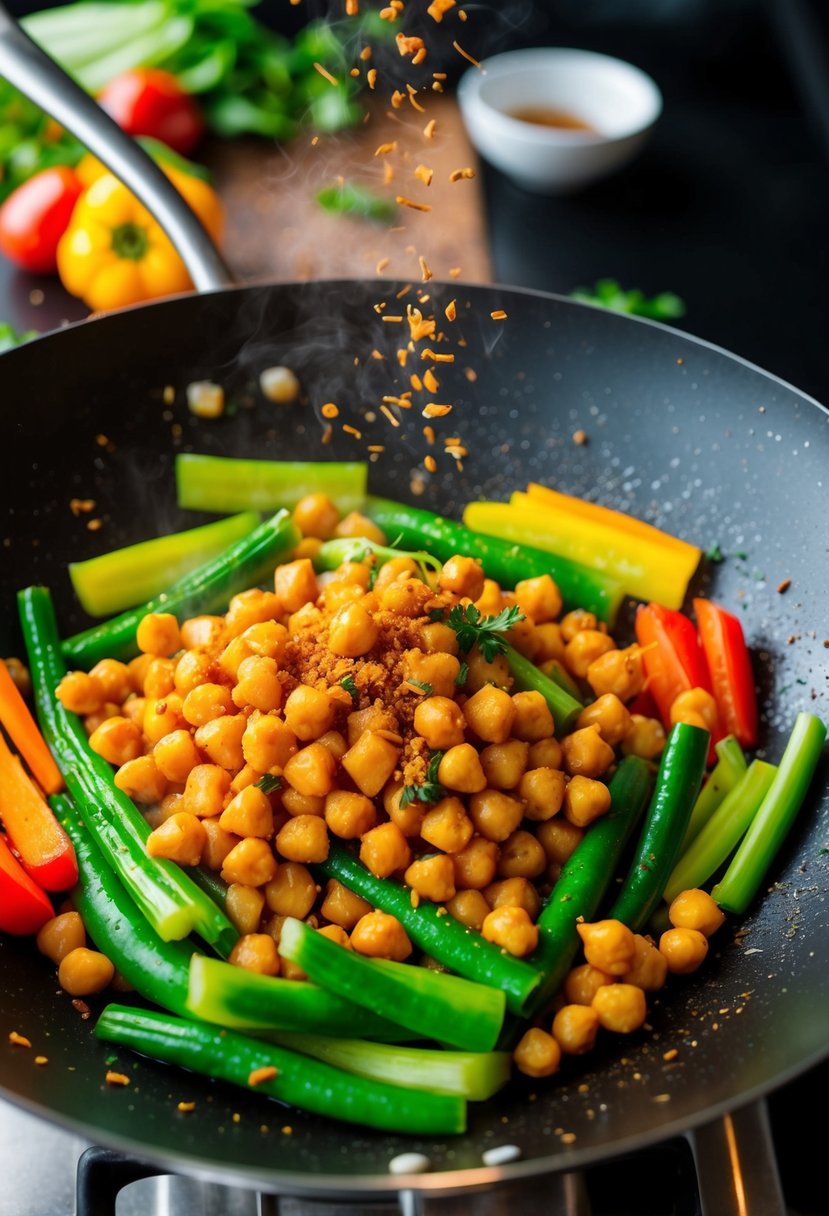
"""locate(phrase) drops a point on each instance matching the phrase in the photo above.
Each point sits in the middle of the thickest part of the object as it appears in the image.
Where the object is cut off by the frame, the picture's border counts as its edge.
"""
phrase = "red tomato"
(148, 101)
(35, 216)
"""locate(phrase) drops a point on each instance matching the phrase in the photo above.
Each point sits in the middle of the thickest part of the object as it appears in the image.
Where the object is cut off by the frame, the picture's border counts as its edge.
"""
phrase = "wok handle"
(40, 79)
(736, 1165)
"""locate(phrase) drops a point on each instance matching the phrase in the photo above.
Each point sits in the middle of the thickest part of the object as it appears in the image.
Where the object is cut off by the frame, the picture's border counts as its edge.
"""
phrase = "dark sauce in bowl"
(549, 116)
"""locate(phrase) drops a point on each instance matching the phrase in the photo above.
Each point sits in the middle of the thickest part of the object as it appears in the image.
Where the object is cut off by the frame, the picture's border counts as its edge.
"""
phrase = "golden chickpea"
(559, 839)
(159, 678)
(221, 741)
(495, 814)
(108, 710)
(312, 770)
(201, 631)
(385, 849)
(447, 825)
(379, 935)
(205, 791)
(533, 720)
(303, 838)
(255, 952)
(80, 693)
(440, 722)
(470, 908)
(349, 815)
(608, 945)
(460, 770)
(462, 576)
(192, 669)
(356, 573)
(115, 679)
(439, 672)
(258, 684)
(490, 714)
(352, 632)
(504, 763)
(141, 780)
(538, 598)
(549, 643)
(683, 949)
(409, 818)
(296, 584)
(585, 752)
(395, 570)
(407, 597)
(482, 672)
(294, 803)
(162, 716)
(316, 515)
(696, 707)
(583, 982)
(337, 594)
(175, 755)
(180, 838)
(249, 813)
(585, 800)
(244, 907)
(117, 739)
(432, 877)
(511, 929)
(341, 906)
(309, 712)
(60, 935)
(336, 934)
(158, 633)
(309, 546)
(650, 968)
(251, 607)
(542, 792)
(250, 862)
(583, 650)
(695, 909)
(621, 672)
(646, 738)
(246, 776)
(621, 1007)
(371, 762)
(267, 742)
(374, 717)
(358, 525)
(206, 702)
(475, 866)
(437, 638)
(334, 742)
(514, 893)
(575, 1028)
(307, 622)
(522, 856)
(537, 1053)
(268, 639)
(610, 715)
(83, 972)
(292, 892)
(576, 621)
(231, 656)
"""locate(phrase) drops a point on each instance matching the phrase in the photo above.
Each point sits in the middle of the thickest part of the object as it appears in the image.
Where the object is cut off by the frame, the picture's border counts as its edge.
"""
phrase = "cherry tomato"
(148, 101)
(35, 216)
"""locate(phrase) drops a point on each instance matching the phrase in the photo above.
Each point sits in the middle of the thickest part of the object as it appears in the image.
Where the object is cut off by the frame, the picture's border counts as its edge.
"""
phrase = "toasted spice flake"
(327, 434)
(439, 75)
(419, 326)
(429, 433)
(437, 87)
(470, 374)
(376, 447)
(402, 356)
(433, 410)
(412, 91)
(116, 1078)
(425, 272)
(81, 506)
(388, 172)
(352, 8)
(466, 55)
(438, 7)
(404, 291)
(388, 14)
(784, 586)
(498, 314)
(385, 149)
(395, 319)
(352, 430)
(462, 14)
(382, 264)
(386, 412)
(568, 1137)
(416, 382)
(354, 72)
(408, 202)
(397, 99)
(455, 272)
(458, 175)
(102, 440)
(326, 75)
(81, 1007)
(451, 310)
(430, 128)
(94, 525)
(403, 402)
(409, 44)
(371, 77)
(330, 410)
(19, 1040)
(185, 1107)
(430, 464)
(419, 56)
(259, 1075)
(424, 174)
(435, 357)
(430, 380)
(375, 354)
(41, 1060)
(169, 394)
(579, 438)
(667, 1056)
(365, 53)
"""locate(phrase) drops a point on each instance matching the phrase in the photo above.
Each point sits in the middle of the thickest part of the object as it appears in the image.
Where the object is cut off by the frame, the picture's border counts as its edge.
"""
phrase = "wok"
(680, 433)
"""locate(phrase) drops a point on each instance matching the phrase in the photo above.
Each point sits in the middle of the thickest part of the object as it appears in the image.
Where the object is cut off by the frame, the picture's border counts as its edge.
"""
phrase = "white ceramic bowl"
(619, 103)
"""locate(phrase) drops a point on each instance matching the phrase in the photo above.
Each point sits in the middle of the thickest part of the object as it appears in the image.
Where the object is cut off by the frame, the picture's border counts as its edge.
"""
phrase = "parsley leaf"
(347, 682)
(485, 631)
(714, 553)
(269, 783)
(422, 685)
(463, 675)
(430, 790)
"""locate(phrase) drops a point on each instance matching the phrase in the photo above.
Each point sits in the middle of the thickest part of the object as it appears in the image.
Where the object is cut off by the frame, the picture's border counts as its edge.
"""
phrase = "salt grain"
(501, 1154)
(410, 1163)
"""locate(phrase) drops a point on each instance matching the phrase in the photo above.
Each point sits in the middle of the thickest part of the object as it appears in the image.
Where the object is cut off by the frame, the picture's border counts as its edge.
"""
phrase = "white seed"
(205, 399)
(501, 1154)
(279, 384)
(410, 1163)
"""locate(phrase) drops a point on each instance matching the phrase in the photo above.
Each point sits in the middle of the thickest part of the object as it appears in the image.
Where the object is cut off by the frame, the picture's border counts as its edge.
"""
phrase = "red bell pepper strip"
(25, 735)
(673, 658)
(24, 907)
(729, 663)
(44, 849)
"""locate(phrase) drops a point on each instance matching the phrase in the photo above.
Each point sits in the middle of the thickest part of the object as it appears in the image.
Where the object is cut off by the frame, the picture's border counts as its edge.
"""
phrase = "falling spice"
(326, 75)
(425, 272)
(186, 1107)
(116, 1078)
(579, 438)
(385, 149)
(498, 314)
(19, 1040)
(437, 8)
(81, 506)
(465, 54)
(259, 1075)
(430, 464)
(430, 128)
(424, 174)
(783, 586)
(433, 410)
(451, 310)
(330, 410)
(371, 77)
(458, 175)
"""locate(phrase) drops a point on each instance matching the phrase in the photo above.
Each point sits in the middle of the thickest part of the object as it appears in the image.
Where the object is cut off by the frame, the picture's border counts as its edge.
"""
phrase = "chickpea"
(447, 825)
(206, 702)
(697, 707)
(559, 839)
(490, 714)
(437, 638)
(511, 929)
(432, 877)
(610, 715)
(221, 741)
(267, 742)
(649, 969)
(134, 708)
(308, 621)
(475, 866)
(460, 770)
(683, 949)
(80, 693)
(533, 720)
(141, 780)
(316, 515)
(258, 684)
(582, 983)
(162, 717)
(309, 712)
(379, 935)
(349, 815)
(255, 952)
(395, 570)
(355, 524)
(159, 679)
(608, 945)
(294, 803)
(192, 669)
(268, 639)
(522, 856)
(574, 622)
(336, 934)
(249, 813)
(470, 908)
(585, 800)
(524, 637)
(249, 608)
(440, 722)
(583, 650)
(620, 1007)
(495, 814)
(575, 1028)
(250, 862)
(296, 584)
(504, 763)
(244, 907)
(334, 742)
(548, 642)
(438, 671)
(462, 576)
(585, 752)
(537, 1053)
(375, 718)
(371, 762)
(218, 843)
(83, 972)
(646, 738)
(198, 631)
(158, 633)
(61, 934)
(384, 849)
(542, 791)
(175, 755)
(695, 909)
(341, 906)
(231, 656)
(205, 791)
(312, 770)
(180, 838)
(352, 632)
(539, 598)
(514, 893)
(407, 597)
(292, 891)
(621, 672)
(117, 739)
(303, 838)
(108, 710)
(114, 678)
(409, 818)
(482, 672)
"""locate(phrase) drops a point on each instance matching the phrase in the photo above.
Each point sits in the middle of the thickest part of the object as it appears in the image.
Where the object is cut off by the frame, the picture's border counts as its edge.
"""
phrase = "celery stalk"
(224, 484)
(729, 769)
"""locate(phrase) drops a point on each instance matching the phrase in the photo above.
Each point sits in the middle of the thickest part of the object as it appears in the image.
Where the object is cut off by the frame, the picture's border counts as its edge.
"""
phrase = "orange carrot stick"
(45, 851)
(25, 735)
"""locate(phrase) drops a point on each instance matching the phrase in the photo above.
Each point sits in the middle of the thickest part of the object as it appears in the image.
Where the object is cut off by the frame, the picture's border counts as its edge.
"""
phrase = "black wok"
(679, 433)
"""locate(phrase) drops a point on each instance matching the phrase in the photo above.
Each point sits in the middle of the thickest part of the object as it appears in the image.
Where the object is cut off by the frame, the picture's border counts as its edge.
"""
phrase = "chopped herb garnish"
(461, 677)
(742, 555)
(714, 553)
(430, 790)
(269, 783)
(423, 685)
(485, 631)
(347, 682)
(607, 293)
(348, 198)
(436, 614)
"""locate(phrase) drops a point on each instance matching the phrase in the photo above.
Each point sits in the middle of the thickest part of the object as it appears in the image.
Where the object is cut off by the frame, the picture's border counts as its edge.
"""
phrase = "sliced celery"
(224, 484)
(729, 769)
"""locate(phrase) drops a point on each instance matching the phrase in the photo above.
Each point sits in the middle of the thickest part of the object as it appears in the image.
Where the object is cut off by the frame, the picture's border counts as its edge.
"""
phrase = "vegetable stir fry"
(375, 826)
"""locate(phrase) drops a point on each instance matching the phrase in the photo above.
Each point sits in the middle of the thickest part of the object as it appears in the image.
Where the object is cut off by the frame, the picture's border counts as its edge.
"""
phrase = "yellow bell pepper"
(114, 253)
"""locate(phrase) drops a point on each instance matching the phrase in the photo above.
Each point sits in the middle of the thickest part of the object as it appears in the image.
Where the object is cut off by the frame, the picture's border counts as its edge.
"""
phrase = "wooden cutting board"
(277, 231)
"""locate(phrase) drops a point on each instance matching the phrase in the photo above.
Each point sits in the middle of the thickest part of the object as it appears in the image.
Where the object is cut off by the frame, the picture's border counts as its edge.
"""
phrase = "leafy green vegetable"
(11, 337)
(347, 198)
(485, 631)
(428, 791)
(609, 294)
(29, 141)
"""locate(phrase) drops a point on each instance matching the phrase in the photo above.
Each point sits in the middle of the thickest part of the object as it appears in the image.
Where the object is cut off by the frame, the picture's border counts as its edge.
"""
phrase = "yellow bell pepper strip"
(114, 253)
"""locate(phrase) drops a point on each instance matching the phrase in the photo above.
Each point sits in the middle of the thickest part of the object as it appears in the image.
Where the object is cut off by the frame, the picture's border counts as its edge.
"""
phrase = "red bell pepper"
(729, 663)
(24, 907)
(44, 849)
(674, 660)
